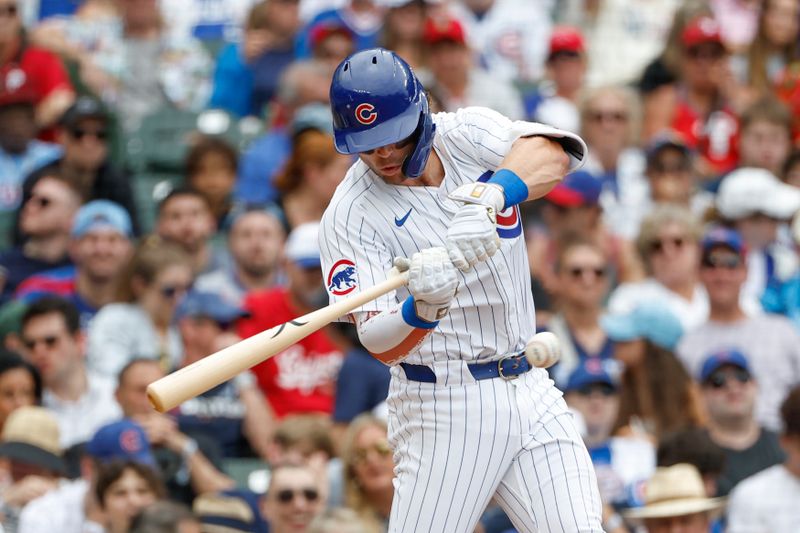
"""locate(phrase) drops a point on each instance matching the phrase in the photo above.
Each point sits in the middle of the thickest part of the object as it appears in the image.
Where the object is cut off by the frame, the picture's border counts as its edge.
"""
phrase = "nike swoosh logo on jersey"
(400, 221)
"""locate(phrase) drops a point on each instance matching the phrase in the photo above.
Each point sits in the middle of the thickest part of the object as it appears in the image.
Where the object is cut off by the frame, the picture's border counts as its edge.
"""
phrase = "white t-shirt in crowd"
(767, 502)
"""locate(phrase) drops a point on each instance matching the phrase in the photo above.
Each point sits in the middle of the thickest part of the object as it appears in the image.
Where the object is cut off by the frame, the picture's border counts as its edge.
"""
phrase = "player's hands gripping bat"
(432, 281)
(472, 235)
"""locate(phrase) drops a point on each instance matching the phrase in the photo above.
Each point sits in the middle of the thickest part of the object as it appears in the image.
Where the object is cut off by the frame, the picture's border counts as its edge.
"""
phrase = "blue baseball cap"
(591, 371)
(577, 189)
(230, 510)
(718, 359)
(721, 236)
(210, 305)
(665, 139)
(101, 214)
(649, 320)
(121, 440)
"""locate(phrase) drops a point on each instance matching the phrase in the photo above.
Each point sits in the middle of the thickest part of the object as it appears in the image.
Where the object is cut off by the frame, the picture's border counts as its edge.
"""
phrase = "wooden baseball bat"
(190, 381)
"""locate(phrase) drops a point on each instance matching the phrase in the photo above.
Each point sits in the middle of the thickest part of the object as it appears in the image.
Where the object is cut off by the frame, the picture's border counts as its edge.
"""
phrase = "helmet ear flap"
(414, 165)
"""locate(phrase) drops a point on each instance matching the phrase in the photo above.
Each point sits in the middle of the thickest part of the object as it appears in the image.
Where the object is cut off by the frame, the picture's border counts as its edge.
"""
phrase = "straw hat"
(31, 435)
(675, 491)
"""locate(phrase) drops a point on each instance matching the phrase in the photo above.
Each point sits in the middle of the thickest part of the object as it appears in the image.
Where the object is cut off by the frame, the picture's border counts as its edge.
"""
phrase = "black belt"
(507, 368)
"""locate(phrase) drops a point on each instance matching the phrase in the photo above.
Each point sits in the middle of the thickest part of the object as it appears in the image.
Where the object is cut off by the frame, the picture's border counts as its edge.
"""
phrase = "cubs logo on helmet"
(509, 222)
(342, 277)
(366, 114)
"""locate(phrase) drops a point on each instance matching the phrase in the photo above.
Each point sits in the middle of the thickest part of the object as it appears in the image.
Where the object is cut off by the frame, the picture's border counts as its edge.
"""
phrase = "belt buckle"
(500, 367)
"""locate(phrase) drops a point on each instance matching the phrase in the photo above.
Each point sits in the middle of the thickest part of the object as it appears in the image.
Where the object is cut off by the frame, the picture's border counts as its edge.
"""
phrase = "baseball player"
(469, 418)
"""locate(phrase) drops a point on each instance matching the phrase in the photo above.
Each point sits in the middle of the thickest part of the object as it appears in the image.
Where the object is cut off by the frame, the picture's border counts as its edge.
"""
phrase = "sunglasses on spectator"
(604, 389)
(381, 448)
(8, 10)
(50, 341)
(171, 291)
(610, 116)
(728, 262)
(659, 245)
(80, 133)
(719, 379)
(289, 495)
(579, 272)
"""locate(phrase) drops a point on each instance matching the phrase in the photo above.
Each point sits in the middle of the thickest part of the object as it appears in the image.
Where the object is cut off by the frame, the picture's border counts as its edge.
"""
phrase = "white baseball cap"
(747, 191)
(302, 246)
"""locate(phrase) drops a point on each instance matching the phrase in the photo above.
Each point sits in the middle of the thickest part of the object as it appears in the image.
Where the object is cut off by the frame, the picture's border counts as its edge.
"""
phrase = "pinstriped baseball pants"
(459, 442)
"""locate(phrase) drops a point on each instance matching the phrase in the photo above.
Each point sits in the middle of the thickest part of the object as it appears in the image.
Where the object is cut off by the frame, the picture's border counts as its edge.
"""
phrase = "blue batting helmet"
(377, 100)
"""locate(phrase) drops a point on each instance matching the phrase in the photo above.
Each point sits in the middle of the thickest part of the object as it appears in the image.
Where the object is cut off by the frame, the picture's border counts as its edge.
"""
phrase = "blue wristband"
(514, 189)
(410, 316)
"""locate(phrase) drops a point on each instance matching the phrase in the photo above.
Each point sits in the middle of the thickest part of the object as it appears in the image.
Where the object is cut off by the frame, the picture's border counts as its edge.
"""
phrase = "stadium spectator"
(768, 500)
(582, 282)
(310, 177)
(702, 111)
(147, 67)
(73, 507)
(766, 135)
(189, 464)
(185, 219)
(165, 517)
(303, 86)
(510, 36)
(772, 49)
(620, 462)
(368, 471)
(293, 499)
(675, 498)
(45, 221)
(658, 395)
(403, 24)
(81, 400)
(233, 413)
(300, 379)
(40, 71)
(364, 19)
(123, 489)
(100, 248)
(211, 166)
(20, 384)
(255, 243)
(247, 74)
(140, 323)
(729, 394)
(331, 42)
(85, 135)
(231, 511)
(556, 101)
(337, 520)
(769, 342)
(608, 125)
(693, 446)
(757, 204)
(457, 81)
(668, 244)
(20, 151)
(32, 453)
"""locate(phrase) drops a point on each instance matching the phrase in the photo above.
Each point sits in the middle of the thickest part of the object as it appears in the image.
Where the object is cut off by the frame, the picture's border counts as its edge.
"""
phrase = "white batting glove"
(472, 235)
(432, 281)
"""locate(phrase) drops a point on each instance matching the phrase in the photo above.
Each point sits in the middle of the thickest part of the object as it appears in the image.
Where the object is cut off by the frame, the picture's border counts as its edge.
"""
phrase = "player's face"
(387, 161)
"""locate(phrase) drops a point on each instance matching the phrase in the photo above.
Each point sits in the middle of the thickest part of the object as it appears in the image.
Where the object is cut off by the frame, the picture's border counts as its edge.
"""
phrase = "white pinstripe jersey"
(368, 223)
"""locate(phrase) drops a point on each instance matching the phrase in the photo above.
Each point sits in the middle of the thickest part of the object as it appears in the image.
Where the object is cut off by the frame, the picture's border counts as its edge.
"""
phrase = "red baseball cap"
(443, 29)
(701, 30)
(322, 30)
(566, 39)
(15, 87)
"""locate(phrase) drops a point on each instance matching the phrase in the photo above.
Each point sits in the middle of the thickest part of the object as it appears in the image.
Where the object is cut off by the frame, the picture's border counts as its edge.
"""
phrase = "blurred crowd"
(163, 168)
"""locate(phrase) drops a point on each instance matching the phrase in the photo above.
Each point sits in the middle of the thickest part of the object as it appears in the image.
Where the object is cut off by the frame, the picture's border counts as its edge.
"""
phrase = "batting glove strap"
(429, 317)
(485, 194)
